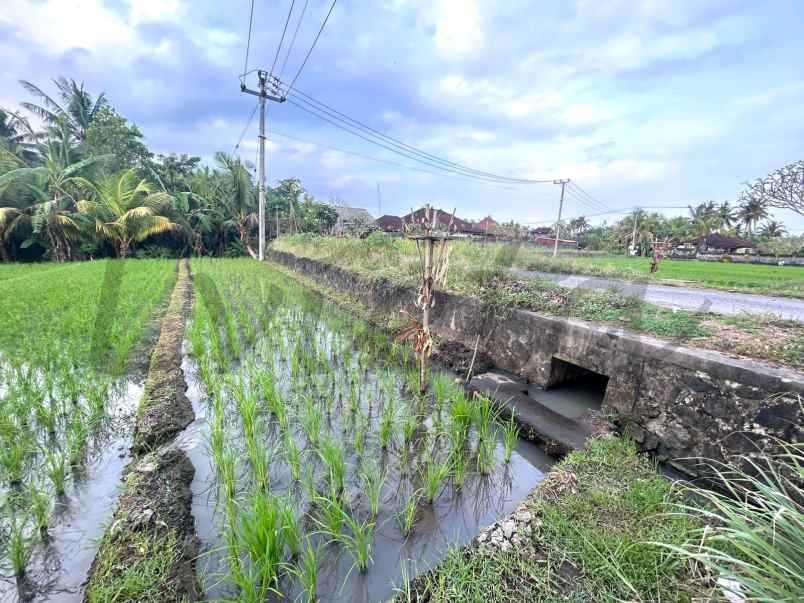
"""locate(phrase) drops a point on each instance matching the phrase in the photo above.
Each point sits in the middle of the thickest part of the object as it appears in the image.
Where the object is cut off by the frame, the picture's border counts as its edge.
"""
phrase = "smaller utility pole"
(263, 95)
(633, 235)
(563, 183)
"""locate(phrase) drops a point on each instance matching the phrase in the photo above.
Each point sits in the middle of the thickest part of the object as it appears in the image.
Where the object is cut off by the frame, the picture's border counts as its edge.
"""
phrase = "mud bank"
(680, 403)
(148, 552)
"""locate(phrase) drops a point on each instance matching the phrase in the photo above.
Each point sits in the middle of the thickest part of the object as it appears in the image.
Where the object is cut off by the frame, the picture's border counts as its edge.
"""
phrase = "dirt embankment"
(148, 552)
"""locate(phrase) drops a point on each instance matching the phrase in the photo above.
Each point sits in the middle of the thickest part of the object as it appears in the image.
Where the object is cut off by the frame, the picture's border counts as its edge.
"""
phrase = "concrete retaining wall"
(676, 401)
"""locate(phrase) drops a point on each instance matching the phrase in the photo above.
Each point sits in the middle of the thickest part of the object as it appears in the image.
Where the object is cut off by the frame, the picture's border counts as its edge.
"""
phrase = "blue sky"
(640, 102)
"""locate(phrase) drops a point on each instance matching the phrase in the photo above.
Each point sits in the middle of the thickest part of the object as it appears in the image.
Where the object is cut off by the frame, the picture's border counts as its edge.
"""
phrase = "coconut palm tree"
(236, 198)
(77, 108)
(126, 210)
(751, 212)
(53, 187)
(726, 214)
(772, 229)
(579, 225)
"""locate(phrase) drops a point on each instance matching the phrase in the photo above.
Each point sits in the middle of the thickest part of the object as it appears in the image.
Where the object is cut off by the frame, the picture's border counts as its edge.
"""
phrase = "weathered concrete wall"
(677, 401)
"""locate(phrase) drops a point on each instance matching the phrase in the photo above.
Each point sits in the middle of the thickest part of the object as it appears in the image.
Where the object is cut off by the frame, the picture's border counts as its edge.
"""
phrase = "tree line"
(83, 184)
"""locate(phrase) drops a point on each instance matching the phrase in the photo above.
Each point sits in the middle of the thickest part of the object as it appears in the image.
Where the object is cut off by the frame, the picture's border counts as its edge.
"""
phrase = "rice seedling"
(40, 510)
(409, 424)
(358, 543)
(292, 456)
(13, 456)
(461, 411)
(458, 469)
(260, 463)
(485, 456)
(373, 481)
(56, 466)
(387, 424)
(407, 516)
(291, 529)
(359, 440)
(330, 516)
(332, 454)
(311, 420)
(510, 437)
(307, 571)
(483, 417)
(261, 537)
(19, 548)
(432, 476)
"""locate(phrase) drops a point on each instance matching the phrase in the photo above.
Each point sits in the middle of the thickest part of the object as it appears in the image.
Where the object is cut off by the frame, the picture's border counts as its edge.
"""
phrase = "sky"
(639, 102)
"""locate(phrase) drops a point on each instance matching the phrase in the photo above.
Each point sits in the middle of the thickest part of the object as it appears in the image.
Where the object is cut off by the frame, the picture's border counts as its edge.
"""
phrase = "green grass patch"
(599, 516)
(138, 570)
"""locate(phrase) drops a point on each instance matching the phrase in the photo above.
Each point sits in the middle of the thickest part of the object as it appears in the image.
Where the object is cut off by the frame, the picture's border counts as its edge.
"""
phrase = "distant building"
(390, 224)
(443, 221)
(348, 216)
(718, 243)
(486, 223)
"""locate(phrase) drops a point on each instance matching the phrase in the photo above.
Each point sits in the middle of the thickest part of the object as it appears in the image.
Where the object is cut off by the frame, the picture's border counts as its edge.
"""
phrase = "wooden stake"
(428, 297)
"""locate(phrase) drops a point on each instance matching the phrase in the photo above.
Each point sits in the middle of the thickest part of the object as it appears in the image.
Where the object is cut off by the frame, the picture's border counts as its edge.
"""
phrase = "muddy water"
(57, 570)
(453, 519)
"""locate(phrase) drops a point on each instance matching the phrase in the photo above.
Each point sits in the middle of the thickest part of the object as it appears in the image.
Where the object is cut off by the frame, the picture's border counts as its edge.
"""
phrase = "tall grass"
(752, 534)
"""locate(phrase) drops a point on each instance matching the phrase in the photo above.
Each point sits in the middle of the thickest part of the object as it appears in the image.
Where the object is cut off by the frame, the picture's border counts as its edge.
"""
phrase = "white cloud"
(459, 28)
(156, 11)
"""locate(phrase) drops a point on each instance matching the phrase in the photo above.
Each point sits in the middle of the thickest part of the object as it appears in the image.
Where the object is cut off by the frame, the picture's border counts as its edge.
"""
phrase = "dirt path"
(149, 550)
(686, 298)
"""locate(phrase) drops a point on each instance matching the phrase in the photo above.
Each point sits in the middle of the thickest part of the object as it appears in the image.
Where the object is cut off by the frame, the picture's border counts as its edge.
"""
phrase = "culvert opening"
(572, 390)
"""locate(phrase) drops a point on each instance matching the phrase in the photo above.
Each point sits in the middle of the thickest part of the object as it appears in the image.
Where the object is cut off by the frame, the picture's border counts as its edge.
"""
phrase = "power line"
(588, 196)
(282, 39)
(351, 130)
(293, 39)
(315, 41)
(385, 161)
(248, 43)
(316, 108)
(622, 210)
(245, 128)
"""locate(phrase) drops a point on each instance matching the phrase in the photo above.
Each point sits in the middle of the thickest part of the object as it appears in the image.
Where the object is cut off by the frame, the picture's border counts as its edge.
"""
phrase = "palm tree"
(752, 211)
(126, 210)
(236, 198)
(772, 229)
(726, 214)
(579, 225)
(53, 187)
(77, 108)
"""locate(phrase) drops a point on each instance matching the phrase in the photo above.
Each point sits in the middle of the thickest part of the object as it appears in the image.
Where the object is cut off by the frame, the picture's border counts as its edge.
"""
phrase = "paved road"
(686, 298)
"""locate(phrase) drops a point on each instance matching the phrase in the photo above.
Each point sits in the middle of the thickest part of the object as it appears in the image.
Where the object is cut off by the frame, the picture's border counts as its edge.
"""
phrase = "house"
(349, 216)
(390, 224)
(486, 223)
(443, 221)
(718, 243)
(543, 241)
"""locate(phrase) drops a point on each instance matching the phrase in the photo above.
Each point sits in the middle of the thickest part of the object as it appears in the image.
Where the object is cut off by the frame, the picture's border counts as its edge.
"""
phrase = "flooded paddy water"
(321, 473)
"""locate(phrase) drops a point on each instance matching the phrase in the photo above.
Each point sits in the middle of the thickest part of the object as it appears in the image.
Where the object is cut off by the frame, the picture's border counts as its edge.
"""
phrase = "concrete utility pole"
(263, 95)
(563, 184)
(628, 251)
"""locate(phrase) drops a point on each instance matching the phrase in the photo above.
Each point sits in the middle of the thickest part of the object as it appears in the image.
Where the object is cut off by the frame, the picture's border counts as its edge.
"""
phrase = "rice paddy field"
(322, 474)
(69, 338)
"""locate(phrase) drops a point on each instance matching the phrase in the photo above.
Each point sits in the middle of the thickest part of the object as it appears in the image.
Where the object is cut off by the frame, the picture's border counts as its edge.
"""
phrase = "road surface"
(686, 298)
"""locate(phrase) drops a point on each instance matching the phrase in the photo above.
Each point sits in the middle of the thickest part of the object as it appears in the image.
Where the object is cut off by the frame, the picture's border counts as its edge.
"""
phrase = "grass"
(597, 520)
(482, 271)
(144, 577)
(396, 258)
(752, 532)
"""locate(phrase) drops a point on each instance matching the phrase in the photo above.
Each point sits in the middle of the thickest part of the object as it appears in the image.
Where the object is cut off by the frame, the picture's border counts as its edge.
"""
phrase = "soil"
(458, 358)
(156, 503)
(165, 409)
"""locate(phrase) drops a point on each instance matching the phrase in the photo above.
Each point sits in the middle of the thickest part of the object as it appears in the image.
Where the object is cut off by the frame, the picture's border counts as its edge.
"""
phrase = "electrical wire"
(352, 131)
(309, 52)
(245, 128)
(373, 136)
(282, 39)
(381, 160)
(592, 199)
(407, 148)
(293, 39)
(248, 43)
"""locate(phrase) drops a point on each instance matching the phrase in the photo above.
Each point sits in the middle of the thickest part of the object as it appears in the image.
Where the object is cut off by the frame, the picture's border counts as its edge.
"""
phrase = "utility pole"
(633, 235)
(263, 95)
(563, 184)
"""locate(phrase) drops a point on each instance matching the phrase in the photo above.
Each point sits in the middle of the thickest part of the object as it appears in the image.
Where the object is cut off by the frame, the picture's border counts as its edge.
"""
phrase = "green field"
(754, 278)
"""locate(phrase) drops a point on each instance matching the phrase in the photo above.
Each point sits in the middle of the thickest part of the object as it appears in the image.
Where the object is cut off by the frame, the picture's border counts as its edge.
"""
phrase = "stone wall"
(676, 401)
